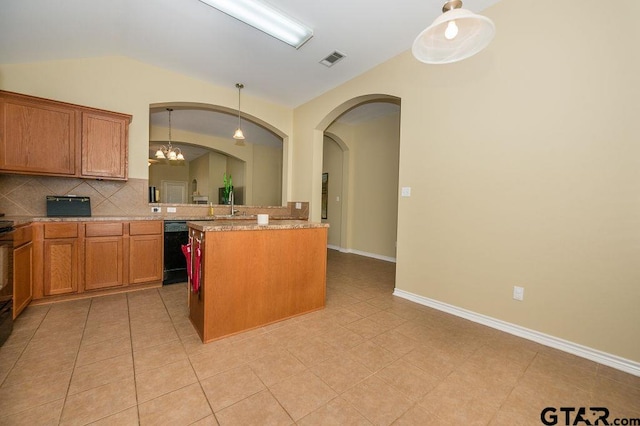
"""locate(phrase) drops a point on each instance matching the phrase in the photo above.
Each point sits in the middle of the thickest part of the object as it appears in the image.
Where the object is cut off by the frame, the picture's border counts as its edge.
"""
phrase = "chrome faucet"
(233, 212)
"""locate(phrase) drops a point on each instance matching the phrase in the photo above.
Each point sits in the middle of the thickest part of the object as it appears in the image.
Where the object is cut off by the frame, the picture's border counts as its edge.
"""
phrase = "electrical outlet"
(406, 191)
(518, 292)
(171, 209)
(156, 209)
(298, 206)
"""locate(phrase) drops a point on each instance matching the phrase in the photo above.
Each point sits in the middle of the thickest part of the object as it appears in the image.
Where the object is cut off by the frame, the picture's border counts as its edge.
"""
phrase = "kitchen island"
(249, 275)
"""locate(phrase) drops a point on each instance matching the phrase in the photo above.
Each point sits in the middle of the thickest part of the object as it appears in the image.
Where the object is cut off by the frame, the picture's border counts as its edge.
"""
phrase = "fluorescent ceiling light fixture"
(266, 18)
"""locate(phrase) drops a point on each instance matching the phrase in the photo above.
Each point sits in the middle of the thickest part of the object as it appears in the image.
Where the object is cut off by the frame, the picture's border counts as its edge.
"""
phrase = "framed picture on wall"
(325, 194)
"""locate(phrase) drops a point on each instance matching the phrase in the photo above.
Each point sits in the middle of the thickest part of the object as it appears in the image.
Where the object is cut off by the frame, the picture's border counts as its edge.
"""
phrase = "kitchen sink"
(235, 217)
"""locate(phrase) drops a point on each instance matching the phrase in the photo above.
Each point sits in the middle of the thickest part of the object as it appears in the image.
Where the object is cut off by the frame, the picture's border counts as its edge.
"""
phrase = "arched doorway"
(362, 205)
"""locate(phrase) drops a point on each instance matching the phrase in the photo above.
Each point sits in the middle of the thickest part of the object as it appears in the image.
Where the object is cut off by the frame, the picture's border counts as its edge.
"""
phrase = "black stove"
(6, 226)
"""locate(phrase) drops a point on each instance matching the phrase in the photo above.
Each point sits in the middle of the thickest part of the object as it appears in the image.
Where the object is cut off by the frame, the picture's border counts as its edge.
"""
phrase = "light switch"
(338, 198)
(406, 191)
(171, 209)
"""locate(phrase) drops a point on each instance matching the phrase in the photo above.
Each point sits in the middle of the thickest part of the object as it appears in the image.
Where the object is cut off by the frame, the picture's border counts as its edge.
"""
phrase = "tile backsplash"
(26, 195)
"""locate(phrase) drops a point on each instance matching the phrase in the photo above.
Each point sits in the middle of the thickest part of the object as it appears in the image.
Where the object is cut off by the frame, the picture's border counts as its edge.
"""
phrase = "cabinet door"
(103, 262)
(22, 278)
(104, 145)
(145, 258)
(37, 136)
(60, 266)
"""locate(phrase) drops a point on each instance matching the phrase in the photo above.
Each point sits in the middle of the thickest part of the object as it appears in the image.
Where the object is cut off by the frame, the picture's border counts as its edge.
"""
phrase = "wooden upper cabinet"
(104, 145)
(37, 136)
(46, 137)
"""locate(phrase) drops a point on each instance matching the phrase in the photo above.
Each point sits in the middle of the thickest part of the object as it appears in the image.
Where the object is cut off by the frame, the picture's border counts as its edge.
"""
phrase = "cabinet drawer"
(103, 229)
(22, 235)
(60, 230)
(147, 227)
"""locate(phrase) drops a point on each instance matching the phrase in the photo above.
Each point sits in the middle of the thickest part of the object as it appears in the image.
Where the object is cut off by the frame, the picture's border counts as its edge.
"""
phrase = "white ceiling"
(194, 39)
(191, 38)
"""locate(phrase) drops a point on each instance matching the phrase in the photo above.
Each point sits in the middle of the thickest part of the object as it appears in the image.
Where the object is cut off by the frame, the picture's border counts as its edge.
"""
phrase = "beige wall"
(332, 158)
(209, 170)
(199, 169)
(236, 169)
(525, 170)
(267, 172)
(160, 172)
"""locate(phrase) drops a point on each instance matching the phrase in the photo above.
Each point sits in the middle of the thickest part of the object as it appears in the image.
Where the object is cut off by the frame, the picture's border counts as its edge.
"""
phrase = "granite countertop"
(245, 225)
(24, 220)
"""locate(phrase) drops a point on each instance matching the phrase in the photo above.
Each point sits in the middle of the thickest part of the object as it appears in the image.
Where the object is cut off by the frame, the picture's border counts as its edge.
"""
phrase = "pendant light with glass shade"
(169, 152)
(455, 35)
(238, 135)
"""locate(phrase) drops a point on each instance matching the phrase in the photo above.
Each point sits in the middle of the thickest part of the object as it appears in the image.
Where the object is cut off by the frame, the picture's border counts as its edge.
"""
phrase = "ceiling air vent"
(332, 58)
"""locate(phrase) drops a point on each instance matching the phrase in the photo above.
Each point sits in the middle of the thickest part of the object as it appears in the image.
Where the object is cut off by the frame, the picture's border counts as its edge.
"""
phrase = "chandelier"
(169, 152)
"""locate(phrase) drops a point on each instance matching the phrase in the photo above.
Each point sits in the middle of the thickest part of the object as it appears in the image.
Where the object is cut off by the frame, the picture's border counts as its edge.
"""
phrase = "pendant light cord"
(240, 86)
(169, 109)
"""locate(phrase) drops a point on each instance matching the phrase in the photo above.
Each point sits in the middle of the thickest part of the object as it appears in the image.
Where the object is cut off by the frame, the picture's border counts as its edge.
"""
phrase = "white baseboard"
(614, 361)
(362, 253)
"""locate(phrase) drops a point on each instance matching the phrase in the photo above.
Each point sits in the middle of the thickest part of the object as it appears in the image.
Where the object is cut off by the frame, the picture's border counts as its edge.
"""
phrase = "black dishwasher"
(176, 234)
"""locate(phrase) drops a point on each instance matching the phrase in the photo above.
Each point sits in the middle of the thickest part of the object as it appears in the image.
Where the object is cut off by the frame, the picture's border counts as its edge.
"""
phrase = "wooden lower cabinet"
(60, 266)
(22, 270)
(71, 258)
(146, 245)
(103, 263)
(145, 258)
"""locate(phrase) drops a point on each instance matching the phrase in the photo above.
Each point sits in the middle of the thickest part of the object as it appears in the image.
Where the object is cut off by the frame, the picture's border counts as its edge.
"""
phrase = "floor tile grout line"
(18, 358)
(73, 370)
(133, 360)
(24, 348)
(190, 363)
(513, 388)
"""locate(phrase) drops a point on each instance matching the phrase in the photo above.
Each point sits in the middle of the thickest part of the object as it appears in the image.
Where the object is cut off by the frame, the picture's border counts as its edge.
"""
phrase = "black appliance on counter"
(6, 279)
(176, 234)
(68, 205)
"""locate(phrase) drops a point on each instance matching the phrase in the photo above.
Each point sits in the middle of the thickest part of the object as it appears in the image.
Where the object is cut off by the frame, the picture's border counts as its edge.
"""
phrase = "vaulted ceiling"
(192, 38)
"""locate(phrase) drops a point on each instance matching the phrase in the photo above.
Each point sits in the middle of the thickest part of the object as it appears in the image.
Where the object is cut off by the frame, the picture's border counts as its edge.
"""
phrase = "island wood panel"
(254, 278)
